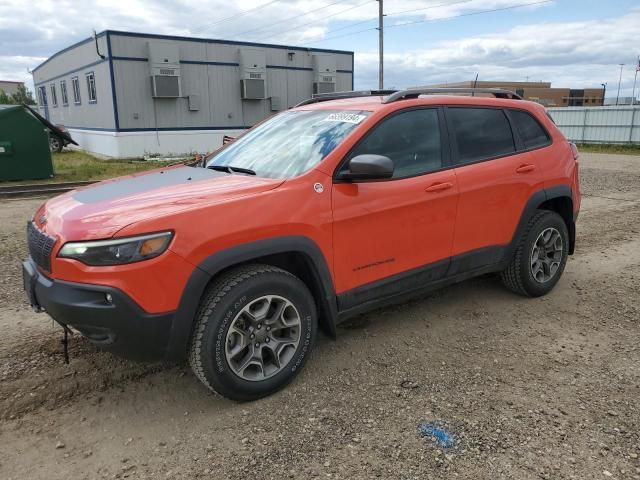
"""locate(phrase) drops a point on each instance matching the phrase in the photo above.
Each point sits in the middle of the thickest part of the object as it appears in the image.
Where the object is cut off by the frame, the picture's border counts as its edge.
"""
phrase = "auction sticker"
(345, 117)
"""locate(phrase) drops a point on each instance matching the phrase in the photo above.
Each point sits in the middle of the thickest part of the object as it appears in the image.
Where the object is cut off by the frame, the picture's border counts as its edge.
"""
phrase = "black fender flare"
(534, 202)
(211, 266)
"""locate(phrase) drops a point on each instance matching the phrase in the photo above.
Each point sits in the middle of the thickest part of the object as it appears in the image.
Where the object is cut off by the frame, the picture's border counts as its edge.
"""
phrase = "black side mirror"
(367, 167)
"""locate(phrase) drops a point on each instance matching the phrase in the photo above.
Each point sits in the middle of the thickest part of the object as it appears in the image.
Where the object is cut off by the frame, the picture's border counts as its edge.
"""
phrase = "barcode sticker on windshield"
(345, 117)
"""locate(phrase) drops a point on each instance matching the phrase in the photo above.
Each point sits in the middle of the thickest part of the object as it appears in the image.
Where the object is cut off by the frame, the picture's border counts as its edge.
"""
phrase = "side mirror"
(367, 167)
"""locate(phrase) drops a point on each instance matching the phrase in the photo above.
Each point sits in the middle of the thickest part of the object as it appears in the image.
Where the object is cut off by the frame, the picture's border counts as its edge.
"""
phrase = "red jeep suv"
(342, 204)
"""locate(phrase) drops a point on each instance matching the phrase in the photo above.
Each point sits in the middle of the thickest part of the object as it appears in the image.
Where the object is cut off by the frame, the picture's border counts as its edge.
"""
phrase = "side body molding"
(298, 246)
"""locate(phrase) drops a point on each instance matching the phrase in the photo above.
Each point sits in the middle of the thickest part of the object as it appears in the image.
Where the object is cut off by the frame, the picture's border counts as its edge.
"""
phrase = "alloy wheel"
(263, 338)
(546, 255)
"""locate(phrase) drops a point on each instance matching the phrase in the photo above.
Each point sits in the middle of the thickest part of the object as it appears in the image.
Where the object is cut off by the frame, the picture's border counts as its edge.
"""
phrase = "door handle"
(439, 187)
(526, 168)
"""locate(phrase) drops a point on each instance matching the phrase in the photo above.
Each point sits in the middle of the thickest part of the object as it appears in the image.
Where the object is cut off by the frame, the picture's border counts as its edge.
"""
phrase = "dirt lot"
(531, 388)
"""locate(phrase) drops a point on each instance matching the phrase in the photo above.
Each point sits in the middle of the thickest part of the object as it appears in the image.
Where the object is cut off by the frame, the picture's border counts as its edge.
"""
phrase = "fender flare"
(214, 264)
(537, 199)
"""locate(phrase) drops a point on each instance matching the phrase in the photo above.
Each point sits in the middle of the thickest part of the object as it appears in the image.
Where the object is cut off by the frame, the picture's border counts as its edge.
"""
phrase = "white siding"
(617, 124)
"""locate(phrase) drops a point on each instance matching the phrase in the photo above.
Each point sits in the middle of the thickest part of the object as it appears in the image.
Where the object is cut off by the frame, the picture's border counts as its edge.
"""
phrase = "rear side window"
(481, 133)
(411, 139)
(529, 129)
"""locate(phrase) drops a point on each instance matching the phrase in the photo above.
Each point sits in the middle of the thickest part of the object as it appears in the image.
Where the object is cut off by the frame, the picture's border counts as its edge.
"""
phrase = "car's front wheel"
(540, 256)
(254, 330)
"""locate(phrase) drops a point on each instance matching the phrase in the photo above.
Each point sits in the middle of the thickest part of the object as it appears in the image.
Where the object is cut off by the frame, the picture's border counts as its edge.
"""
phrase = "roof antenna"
(95, 38)
(475, 83)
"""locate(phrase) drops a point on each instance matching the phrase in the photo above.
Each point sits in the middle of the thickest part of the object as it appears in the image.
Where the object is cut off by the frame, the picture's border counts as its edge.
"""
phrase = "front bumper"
(117, 324)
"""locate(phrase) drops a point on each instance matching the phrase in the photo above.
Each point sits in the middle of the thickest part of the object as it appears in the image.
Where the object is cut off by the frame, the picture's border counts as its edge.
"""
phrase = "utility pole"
(381, 44)
(619, 82)
(635, 78)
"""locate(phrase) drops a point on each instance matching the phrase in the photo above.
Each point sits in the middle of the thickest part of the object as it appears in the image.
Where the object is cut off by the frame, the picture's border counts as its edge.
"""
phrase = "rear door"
(404, 223)
(496, 177)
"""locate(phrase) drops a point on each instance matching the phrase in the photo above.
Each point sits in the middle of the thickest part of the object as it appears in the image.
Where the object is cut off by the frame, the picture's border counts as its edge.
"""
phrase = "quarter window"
(481, 133)
(63, 93)
(529, 129)
(411, 139)
(91, 86)
(75, 84)
(54, 95)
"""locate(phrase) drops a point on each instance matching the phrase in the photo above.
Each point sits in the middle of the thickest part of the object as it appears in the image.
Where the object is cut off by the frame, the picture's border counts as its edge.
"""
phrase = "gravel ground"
(529, 388)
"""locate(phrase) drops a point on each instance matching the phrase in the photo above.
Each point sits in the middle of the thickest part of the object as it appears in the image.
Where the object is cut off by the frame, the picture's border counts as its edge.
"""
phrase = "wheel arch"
(299, 255)
(557, 199)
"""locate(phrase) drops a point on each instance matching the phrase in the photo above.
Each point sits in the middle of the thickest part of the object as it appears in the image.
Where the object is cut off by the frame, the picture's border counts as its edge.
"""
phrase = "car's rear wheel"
(254, 330)
(540, 256)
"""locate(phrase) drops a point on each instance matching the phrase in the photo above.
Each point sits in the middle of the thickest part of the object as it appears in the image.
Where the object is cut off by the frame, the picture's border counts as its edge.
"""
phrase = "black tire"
(519, 276)
(222, 303)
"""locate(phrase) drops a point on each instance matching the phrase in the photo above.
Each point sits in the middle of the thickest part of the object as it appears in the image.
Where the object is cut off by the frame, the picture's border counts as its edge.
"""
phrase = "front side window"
(290, 143)
(91, 87)
(75, 84)
(481, 133)
(54, 95)
(530, 131)
(63, 93)
(410, 139)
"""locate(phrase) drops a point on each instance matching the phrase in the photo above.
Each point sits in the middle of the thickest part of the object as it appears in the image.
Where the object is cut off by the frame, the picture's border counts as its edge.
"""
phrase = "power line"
(472, 13)
(351, 25)
(288, 18)
(239, 14)
(317, 19)
(435, 20)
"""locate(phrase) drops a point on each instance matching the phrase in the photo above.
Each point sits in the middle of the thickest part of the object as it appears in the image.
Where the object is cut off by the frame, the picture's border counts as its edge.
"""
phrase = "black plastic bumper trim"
(120, 325)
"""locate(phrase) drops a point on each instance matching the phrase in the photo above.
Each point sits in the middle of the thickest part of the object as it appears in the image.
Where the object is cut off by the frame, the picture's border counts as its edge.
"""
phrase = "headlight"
(117, 251)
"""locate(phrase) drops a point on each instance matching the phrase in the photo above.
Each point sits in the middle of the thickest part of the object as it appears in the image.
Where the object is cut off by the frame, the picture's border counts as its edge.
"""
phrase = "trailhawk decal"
(345, 117)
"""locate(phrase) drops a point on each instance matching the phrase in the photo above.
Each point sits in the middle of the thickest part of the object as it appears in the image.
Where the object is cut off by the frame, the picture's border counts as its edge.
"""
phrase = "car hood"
(102, 209)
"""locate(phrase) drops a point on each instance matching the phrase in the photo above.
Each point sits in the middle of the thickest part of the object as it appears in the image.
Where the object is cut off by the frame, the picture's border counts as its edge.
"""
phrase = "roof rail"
(416, 92)
(324, 97)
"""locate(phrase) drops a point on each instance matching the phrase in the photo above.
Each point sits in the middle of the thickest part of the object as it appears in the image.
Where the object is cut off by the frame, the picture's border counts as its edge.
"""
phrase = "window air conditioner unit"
(253, 74)
(164, 64)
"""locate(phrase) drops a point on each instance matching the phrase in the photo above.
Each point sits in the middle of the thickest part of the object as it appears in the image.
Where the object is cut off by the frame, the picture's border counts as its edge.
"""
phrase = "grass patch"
(610, 148)
(74, 166)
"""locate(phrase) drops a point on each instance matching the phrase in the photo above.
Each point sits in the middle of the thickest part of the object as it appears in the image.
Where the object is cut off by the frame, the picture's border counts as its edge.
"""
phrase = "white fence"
(617, 124)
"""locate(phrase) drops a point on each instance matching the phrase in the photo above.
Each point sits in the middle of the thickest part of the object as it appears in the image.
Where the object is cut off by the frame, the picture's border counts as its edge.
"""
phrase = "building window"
(42, 96)
(63, 93)
(75, 84)
(54, 95)
(91, 87)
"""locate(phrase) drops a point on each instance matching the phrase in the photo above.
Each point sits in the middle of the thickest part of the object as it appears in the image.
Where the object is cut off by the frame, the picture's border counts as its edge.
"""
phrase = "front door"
(402, 225)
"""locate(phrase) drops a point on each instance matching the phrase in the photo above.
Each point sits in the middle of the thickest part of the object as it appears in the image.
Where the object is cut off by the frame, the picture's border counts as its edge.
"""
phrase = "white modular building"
(125, 94)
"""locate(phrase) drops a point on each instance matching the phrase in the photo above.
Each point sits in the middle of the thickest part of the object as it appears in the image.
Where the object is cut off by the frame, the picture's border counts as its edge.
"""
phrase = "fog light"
(108, 298)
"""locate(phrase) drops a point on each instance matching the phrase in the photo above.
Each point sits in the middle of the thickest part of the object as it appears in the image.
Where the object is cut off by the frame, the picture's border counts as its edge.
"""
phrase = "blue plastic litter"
(437, 434)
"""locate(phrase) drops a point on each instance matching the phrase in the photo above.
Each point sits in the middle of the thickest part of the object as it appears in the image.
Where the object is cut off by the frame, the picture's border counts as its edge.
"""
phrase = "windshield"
(290, 143)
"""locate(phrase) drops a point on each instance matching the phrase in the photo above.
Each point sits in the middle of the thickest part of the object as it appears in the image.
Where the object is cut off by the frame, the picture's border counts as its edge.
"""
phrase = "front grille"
(40, 246)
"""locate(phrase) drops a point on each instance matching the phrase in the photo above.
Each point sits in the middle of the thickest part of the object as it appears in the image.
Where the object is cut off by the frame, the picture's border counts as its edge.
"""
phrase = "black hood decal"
(144, 183)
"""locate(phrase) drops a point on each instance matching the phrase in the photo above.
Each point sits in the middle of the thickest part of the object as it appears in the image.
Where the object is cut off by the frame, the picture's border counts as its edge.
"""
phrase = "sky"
(570, 43)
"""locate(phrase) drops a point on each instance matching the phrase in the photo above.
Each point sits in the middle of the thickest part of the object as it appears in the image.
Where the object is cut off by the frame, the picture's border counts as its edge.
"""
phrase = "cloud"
(570, 54)
(567, 53)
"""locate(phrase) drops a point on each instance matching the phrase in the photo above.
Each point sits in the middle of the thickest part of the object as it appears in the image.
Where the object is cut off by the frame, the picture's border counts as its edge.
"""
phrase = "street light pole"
(604, 92)
(381, 44)
(619, 82)
(635, 78)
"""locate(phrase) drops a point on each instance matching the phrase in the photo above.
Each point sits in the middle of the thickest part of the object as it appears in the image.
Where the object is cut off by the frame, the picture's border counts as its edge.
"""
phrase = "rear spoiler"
(50, 126)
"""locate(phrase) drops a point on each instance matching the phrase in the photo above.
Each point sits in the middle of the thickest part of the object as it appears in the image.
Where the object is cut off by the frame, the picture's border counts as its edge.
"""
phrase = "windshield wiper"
(230, 169)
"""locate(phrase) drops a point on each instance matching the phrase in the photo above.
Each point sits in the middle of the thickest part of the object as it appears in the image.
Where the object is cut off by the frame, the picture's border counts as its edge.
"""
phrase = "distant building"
(9, 87)
(542, 92)
(126, 94)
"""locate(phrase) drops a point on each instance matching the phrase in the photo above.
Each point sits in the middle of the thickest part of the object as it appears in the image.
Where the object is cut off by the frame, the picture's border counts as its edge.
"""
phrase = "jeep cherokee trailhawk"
(347, 202)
